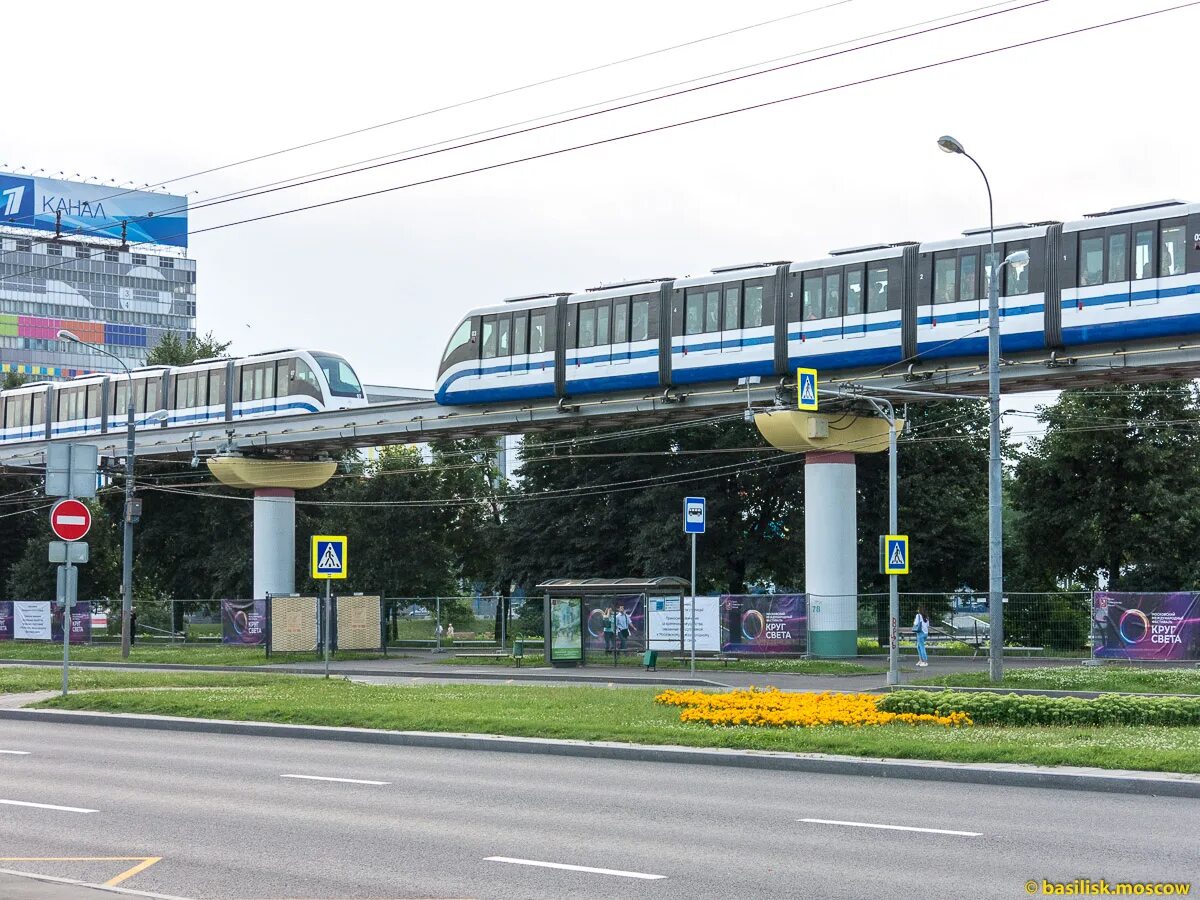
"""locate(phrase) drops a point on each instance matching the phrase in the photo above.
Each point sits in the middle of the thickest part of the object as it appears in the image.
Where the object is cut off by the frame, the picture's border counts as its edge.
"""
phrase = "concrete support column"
(831, 553)
(274, 541)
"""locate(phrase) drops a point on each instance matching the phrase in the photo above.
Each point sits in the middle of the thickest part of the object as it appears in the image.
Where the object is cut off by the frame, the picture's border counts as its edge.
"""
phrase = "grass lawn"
(630, 714)
(216, 655)
(1085, 678)
(793, 666)
(24, 679)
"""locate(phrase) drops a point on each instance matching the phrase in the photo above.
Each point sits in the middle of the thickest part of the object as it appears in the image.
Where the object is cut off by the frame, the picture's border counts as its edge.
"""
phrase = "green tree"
(1109, 493)
(171, 350)
(12, 380)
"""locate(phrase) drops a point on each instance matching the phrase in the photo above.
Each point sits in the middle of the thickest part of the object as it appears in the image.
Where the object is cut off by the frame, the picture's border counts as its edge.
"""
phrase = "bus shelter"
(601, 618)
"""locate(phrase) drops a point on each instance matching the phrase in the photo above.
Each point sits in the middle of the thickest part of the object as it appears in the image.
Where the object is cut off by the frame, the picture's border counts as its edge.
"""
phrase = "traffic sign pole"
(328, 590)
(693, 666)
(694, 516)
(893, 676)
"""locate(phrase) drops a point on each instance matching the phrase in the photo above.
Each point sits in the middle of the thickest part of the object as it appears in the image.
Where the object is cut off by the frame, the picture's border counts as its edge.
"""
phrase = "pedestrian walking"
(921, 632)
(623, 624)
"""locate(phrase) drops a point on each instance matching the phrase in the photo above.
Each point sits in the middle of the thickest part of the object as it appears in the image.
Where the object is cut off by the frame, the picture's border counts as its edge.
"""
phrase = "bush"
(986, 708)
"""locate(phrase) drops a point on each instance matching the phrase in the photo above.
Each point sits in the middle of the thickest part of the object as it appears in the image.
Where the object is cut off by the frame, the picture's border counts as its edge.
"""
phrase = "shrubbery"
(1012, 709)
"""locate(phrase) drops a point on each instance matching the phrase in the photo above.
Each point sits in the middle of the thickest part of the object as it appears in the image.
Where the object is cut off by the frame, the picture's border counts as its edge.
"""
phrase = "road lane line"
(129, 873)
(14, 752)
(893, 827)
(342, 780)
(551, 865)
(47, 806)
(52, 879)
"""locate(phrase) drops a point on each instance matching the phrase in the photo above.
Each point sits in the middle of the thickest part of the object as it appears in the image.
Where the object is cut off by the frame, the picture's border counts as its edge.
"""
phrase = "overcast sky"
(151, 92)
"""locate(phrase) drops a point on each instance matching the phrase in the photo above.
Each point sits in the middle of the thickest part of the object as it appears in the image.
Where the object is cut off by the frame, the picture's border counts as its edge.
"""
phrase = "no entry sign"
(70, 520)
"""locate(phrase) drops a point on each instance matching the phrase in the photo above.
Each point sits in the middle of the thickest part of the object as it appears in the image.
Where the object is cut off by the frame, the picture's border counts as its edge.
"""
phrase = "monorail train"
(212, 390)
(1128, 273)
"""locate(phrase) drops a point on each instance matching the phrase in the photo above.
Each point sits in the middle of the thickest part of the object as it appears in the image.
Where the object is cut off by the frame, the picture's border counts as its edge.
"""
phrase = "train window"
(1118, 244)
(639, 321)
(1091, 261)
(216, 384)
(504, 336)
(282, 378)
(733, 308)
(603, 317)
(537, 332)
(489, 337)
(306, 379)
(833, 295)
(1143, 254)
(520, 334)
(120, 397)
(263, 382)
(693, 312)
(38, 411)
(945, 273)
(93, 401)
(620, 321)
(185, 391)
(968, 269)
(1016, 277)
(461, 336)
(153, 395)
(877, 289)
(712, 310)
(586, 333)
(854, 292)
(813, 304)
(752, 309)
(1171, 251)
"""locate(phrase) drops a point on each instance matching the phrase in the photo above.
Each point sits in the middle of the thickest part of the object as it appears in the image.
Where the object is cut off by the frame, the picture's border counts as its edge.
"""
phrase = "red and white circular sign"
(70, 520)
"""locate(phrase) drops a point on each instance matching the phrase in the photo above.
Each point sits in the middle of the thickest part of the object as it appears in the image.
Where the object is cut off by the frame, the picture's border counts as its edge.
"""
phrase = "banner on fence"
(244, 622)
(81, 623)
(1147, 626)
(764, 623)
(6, 620)
(598, 608)
(358, 623)
(31, 620)
(293, 624)
(663, 628)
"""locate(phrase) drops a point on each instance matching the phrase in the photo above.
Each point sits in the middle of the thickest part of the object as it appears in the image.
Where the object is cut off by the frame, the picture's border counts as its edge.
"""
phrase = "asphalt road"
(226, 821)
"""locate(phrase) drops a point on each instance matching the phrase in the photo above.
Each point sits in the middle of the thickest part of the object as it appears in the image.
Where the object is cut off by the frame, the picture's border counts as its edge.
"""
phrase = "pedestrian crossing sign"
(895, 554)
(806, 389)
(329, 556)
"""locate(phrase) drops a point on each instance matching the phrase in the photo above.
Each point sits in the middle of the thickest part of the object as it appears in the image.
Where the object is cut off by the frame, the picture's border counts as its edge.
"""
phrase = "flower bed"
(781, 709)
(1013, 709)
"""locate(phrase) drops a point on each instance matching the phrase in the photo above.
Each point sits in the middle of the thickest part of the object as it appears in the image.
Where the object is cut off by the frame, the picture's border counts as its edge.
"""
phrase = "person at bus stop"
(921, 632)
(624, 624)
(607, 619)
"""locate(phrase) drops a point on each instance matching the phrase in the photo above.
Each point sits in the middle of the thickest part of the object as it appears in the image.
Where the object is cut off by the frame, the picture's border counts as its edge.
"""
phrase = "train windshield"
(342, 380)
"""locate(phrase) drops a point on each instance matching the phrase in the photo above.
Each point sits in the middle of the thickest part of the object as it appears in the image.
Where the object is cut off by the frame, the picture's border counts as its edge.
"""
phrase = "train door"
(520, 343)
(854, 323)
(620, 331)
(1172, 261)
(701, 321)
(1143, 283)
(602, 353)
(731, 318)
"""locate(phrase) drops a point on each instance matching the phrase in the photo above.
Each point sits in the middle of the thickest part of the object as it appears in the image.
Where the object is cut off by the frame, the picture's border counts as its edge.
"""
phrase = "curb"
(293, 669)
(1003, 774)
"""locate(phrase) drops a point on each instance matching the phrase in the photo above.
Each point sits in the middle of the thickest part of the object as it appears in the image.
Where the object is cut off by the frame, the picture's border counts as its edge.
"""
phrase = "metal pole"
(693, 665)
(437, 630)
(893, 676)
(995, 519)
(67, 604)
(328, 590)
(127, 547)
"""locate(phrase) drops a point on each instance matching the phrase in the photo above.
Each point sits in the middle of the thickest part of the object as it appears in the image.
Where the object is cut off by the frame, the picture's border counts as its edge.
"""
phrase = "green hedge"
(1013, 709)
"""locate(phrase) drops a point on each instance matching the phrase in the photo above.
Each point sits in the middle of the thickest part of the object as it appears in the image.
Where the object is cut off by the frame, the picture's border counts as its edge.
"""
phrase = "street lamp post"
(127, 549)
(995, 499)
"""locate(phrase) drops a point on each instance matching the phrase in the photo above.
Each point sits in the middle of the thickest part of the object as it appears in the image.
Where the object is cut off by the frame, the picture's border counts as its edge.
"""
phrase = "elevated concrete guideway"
(393, 422)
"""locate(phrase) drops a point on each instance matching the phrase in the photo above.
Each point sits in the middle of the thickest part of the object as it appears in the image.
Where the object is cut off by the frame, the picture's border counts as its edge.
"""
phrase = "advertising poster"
(764, 623)
(81, 623)
(1147, 626)
(31, 620)
(598, 608)
(566, 628)
(663, 629)
(243, 622)
(6, 620)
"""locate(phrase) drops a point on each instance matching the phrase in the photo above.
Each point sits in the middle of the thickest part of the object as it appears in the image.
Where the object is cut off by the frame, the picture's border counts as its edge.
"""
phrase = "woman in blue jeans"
(921, 631)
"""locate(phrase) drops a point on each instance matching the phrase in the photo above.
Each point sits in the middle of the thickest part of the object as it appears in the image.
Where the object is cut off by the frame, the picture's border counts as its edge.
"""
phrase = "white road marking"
(47, 806)
(15, 752)
(893, 827)
(342, 780)
(551, 865)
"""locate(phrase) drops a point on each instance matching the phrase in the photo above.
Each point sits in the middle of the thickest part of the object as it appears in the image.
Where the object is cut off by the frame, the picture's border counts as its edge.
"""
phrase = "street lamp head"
(64, 335)
(950, 145)
(1017, 258)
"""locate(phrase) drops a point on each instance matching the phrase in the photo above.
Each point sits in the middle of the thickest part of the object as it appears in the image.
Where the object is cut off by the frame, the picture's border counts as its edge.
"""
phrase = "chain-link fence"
(1035, 624)
(464, 622)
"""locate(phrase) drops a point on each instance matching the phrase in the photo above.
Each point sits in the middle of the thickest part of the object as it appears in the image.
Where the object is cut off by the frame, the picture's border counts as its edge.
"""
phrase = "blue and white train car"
(222, 390)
